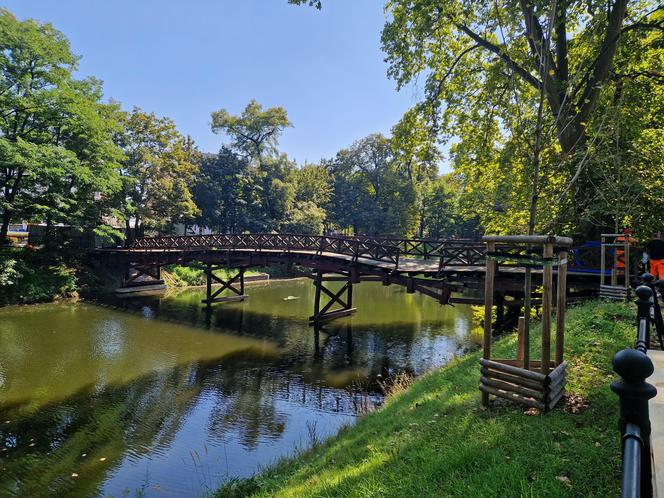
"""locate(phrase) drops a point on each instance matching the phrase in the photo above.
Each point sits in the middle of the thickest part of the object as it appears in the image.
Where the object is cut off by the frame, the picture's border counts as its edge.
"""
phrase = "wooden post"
(488, 307)
(500, 310)
(547, 283)
(242, 269)
(318, 282)
(626, 242)
(561, 304)
(602, 263)
(521, 350)
(208, 282)
(527, 307)
(349, 294)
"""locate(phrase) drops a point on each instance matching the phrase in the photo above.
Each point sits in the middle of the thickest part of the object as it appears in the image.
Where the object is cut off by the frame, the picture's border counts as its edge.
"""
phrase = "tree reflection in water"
(186, 428)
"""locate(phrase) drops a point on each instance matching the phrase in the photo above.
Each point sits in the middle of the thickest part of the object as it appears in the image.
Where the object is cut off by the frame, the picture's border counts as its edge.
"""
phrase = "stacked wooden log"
(505, 379)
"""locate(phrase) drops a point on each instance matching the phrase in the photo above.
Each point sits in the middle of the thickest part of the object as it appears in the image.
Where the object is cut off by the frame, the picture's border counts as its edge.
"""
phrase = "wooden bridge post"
(211, 297)
(547, 284)
(345, 305)
(488, 308)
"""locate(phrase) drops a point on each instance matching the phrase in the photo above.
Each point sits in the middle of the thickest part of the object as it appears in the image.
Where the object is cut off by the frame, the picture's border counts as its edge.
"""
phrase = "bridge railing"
(355, 248)
(634, 367)
(449, 252)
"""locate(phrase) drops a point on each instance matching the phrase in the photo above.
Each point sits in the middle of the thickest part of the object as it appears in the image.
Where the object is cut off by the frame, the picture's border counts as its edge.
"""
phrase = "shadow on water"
(167, 401)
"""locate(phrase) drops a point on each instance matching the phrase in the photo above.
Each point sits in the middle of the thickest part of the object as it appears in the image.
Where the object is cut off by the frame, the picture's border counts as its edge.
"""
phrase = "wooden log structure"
(142, 274)
(533, 383)
(527, 387)
(231, 285)
(344, 303)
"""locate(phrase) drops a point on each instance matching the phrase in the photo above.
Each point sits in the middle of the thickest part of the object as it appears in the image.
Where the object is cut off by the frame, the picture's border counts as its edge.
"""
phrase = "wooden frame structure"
(536, 384)
(137, 270)
(345, 303)
(613, 290)
(211, 297)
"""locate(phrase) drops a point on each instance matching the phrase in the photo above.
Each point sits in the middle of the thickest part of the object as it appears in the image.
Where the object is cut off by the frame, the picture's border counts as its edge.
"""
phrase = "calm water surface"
(160, 399)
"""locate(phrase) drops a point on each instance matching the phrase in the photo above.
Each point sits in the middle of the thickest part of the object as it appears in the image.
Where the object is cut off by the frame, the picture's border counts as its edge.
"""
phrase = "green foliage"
(438, 427)
(255, 132)
(184, 276)
(158, 171)
(56, 136)
(483, 80)
(27, 277)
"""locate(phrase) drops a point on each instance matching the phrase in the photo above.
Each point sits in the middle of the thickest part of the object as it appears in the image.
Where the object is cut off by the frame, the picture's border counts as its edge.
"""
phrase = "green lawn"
(435, 440)
(183, 276)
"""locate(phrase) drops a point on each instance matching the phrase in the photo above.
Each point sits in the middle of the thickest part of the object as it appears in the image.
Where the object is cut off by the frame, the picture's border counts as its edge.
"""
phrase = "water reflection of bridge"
(436, 268)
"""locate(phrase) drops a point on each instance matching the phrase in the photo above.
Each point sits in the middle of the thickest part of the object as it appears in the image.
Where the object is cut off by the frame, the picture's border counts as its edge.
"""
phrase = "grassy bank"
(184, 276)
(434, 439)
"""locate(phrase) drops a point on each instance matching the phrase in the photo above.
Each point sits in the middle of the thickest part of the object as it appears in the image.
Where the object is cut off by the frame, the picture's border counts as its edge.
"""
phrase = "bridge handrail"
(634, 367)
(269, 241)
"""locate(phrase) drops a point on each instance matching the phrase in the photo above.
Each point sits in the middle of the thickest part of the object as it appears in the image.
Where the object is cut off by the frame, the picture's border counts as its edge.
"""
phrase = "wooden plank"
(228, 299)
(508, 386)
(561, 306)
(488, 308)
(515, 379)
(510, 369)
(521, 345)
(535, 365)
(547, 284)
(332, 315)
(512, 397)
(467, 300)
(551, 404)
(554, 393)
(558, 372)
(529, 239)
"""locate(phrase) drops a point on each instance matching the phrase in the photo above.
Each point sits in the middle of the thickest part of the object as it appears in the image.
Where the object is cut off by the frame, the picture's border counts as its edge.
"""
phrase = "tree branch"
(603, 62)
(500, 52)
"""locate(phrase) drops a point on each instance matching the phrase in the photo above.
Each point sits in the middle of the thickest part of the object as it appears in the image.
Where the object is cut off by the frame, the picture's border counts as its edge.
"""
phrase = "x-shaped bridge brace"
(343, 298)
(211, 297)
(137, 270)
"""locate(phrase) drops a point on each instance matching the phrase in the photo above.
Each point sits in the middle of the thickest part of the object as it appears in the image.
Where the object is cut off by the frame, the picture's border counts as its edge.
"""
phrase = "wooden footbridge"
(436, 268)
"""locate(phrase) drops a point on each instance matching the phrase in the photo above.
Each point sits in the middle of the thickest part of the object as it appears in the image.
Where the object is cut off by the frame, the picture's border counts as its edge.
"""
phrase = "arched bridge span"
(435, 268)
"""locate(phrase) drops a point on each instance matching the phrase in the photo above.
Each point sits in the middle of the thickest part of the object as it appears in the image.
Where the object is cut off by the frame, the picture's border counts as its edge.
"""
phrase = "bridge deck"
(428, 268)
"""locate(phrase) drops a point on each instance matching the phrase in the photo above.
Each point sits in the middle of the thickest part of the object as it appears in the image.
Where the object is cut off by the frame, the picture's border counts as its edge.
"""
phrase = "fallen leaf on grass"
(532, 412)
(575, 403)
(565, 480)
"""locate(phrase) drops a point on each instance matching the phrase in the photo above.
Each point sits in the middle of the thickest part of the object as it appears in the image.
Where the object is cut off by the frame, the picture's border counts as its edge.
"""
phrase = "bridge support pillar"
(343, 298)
(234, 284)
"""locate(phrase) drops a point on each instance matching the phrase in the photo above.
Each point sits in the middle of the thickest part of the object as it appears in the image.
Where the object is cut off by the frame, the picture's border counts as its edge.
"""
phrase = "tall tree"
(158, 172)
(371, 193)
(56, 136)
(255, 132)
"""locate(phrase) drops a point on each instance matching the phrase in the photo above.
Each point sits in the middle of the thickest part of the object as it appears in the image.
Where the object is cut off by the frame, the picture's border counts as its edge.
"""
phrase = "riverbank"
(29, 276)
(434, 439)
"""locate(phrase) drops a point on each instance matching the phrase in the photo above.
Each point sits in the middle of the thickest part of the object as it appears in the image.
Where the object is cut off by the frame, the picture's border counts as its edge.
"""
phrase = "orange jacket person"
(655, 249)
(620, 252)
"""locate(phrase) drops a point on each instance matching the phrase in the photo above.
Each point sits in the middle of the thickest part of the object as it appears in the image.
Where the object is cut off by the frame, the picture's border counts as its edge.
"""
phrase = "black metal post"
(649, 280)
(634, 392)
(643, 304)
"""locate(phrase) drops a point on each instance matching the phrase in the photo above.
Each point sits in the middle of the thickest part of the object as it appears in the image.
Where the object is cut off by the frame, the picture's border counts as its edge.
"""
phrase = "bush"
(27, 277)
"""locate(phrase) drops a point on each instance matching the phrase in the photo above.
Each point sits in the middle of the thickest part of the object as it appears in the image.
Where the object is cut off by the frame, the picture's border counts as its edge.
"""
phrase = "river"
(157, 398)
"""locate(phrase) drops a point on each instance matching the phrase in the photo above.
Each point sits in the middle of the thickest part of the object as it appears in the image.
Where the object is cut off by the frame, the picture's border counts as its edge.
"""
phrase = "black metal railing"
(634, 367)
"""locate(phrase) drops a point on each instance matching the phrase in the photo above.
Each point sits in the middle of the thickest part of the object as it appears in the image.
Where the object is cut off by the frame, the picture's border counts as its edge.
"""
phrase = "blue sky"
(184, 59)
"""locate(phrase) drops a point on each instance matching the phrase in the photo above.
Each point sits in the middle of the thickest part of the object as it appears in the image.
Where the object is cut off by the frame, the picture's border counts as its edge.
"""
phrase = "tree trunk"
(4, 229)
(128, 237)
